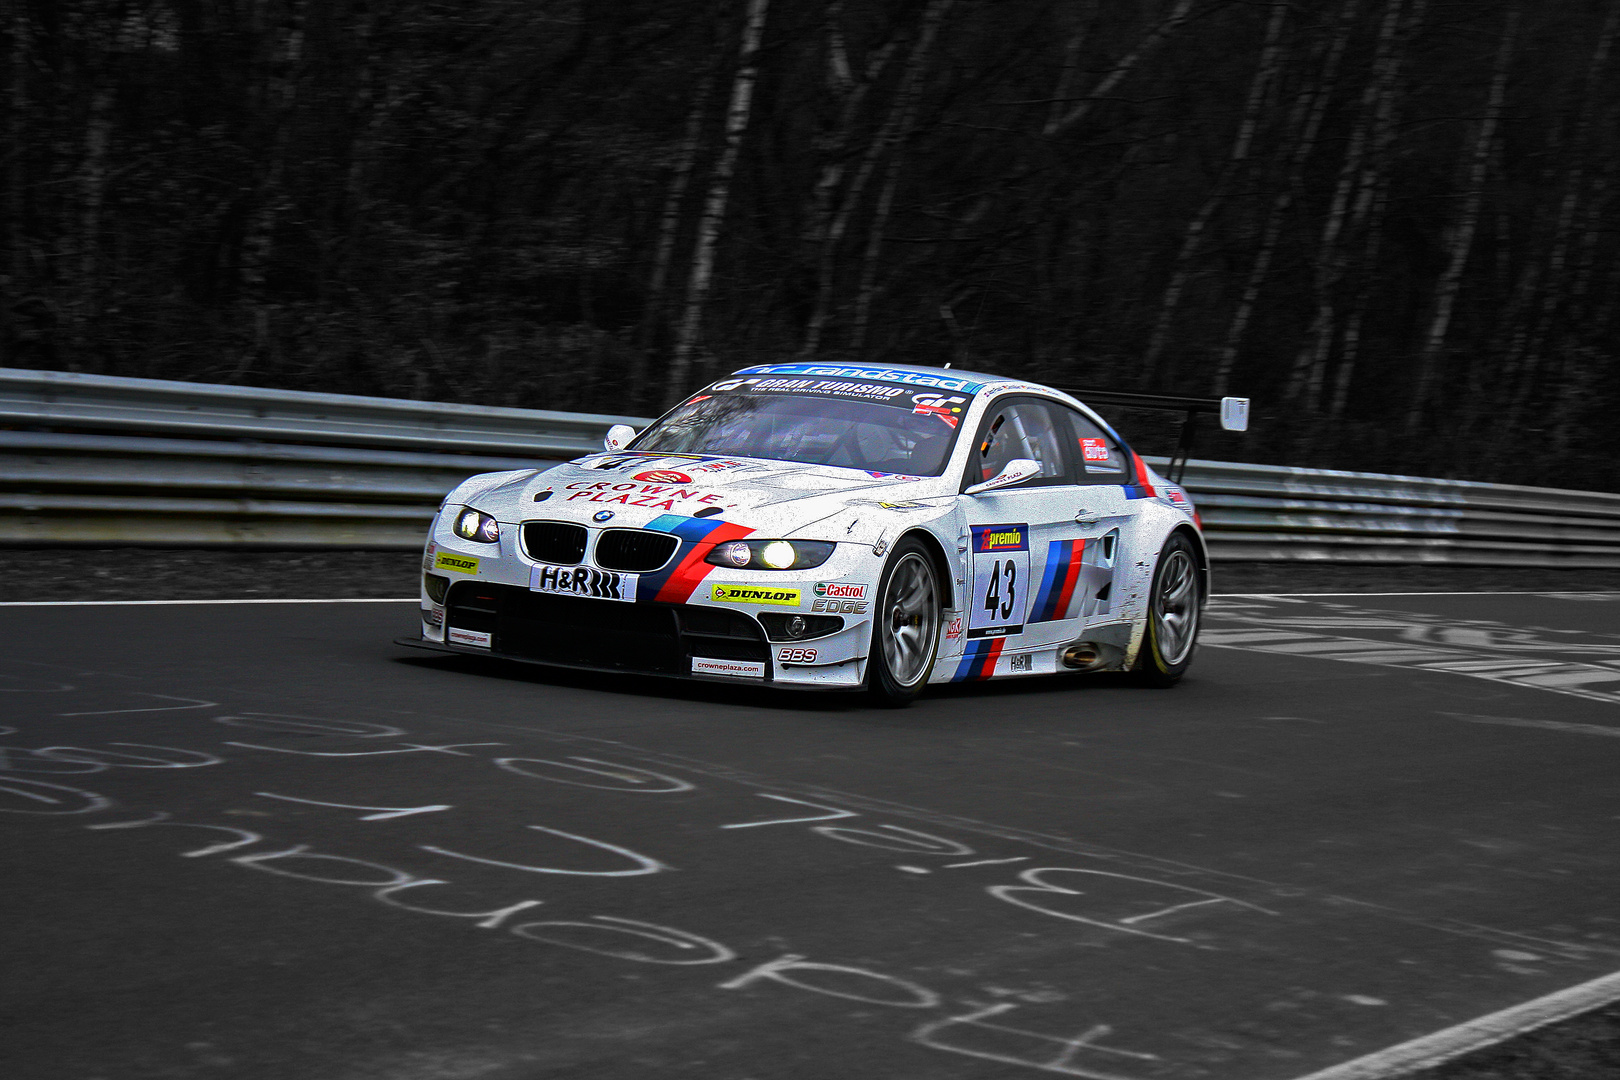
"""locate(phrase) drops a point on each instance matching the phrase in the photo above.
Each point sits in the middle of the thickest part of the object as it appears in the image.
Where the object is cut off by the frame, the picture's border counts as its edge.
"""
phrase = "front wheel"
(905, 626)
(1174, 611)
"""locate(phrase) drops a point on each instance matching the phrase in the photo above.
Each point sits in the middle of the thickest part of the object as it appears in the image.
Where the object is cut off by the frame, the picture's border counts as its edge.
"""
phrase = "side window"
(1023, 429)
(1101, 459)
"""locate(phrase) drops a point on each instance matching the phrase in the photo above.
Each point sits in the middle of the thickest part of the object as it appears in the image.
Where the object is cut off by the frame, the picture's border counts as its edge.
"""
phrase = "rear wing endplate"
(1233, 411)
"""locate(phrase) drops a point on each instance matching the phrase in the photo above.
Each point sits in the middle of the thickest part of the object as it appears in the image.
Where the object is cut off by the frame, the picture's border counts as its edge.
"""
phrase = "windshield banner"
(942, 406)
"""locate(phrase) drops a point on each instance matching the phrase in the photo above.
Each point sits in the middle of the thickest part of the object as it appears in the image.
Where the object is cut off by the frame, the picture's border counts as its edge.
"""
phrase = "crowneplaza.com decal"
(755, 594)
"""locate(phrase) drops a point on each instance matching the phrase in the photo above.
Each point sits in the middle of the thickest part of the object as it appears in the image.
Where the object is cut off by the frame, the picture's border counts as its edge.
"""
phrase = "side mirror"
(1015, 471)
(618, 437)
(1235, 413)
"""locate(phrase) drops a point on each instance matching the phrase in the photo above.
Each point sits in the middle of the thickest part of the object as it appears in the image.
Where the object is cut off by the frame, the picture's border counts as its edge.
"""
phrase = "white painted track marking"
(150, 603)
(1517, 592)
(413, 600)
(1430, 1050)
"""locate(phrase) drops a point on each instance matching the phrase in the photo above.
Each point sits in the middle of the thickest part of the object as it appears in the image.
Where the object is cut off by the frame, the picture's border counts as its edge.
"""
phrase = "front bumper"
(669, 640)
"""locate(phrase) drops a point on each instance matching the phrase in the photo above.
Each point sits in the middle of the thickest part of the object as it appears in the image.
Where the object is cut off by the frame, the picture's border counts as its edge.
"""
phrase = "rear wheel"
(905, 626)
(1174, 612)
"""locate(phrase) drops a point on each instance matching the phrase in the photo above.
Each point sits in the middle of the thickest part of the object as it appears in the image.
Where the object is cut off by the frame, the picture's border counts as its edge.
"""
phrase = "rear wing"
(1233, 411)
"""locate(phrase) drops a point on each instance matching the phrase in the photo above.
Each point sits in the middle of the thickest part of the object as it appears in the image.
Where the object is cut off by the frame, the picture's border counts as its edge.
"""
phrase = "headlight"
(477, 526)
(771, 554)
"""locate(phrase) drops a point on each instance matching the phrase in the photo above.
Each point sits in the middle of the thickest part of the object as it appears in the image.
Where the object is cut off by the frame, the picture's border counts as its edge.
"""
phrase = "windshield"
(852, 424)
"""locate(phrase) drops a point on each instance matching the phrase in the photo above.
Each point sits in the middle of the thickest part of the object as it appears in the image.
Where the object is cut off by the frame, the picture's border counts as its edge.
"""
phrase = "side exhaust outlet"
(1081, 656)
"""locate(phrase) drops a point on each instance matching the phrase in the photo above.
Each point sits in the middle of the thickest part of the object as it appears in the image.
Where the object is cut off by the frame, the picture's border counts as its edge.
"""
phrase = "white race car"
(831, 527)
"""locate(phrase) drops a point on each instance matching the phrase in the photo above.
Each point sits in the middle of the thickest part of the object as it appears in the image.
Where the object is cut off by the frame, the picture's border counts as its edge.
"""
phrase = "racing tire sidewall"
(884, 688)
(1151, 668)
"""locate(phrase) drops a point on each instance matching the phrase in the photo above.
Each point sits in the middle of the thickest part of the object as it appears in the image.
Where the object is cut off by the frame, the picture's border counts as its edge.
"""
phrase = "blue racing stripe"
(1055, 563)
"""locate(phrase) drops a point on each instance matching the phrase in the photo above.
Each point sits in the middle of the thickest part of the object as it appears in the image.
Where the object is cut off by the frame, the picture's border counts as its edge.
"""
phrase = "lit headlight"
(771, 554)
(477, 526)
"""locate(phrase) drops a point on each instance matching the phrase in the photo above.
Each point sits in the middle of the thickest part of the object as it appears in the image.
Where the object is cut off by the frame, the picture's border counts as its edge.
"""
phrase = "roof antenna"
(947, 366)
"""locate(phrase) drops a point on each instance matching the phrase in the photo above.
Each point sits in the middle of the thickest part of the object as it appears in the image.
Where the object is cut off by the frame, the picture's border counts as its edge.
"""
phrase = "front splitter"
(723, 680)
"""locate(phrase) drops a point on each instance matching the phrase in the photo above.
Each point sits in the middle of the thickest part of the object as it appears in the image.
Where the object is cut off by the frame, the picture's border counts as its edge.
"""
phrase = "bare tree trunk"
(1264, 74)
(830, 213)
(1367, 219)
(16, 267)
(1533, 336)
(1155, 37)
(1462, 238)
(1306, 377)
(280, 93)
(697, 286)
(654, 307)
(909, 91)
(1307, 120)
(92, 184)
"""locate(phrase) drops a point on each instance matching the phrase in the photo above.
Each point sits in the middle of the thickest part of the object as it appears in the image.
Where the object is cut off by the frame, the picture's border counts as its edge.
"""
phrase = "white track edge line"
(1520, 592)
(149, 603)
(1429, 1050)
(412, 599)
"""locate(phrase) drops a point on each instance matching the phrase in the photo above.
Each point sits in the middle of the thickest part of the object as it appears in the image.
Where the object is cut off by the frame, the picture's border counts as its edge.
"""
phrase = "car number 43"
(1000, 580)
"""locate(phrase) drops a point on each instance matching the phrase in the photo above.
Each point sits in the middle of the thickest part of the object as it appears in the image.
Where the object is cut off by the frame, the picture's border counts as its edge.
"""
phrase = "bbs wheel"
(1174, 609)
(905, 626)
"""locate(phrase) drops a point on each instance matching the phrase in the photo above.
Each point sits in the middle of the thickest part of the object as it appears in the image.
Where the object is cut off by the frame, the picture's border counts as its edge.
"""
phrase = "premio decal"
(461, 564)
(755, 594)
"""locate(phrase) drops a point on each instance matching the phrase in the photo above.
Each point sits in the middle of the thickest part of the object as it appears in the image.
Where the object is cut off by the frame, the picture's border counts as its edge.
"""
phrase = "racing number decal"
(1000, 580)
(996, 607)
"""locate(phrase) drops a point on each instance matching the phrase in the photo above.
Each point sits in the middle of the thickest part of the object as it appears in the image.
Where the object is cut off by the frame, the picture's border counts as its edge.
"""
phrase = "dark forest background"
(1392, 223)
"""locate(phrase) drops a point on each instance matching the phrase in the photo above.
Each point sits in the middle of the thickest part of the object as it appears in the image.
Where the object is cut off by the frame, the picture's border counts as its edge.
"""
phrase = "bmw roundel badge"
(603, 515)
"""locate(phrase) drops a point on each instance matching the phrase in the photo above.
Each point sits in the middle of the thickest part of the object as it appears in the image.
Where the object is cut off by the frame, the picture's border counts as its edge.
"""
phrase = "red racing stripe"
(1142, 480)
(686, 577)
(1071, 574)
(987, 662)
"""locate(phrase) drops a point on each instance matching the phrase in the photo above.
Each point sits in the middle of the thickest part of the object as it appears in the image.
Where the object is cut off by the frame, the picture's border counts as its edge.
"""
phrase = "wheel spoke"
(1175, 606)
(909, 619)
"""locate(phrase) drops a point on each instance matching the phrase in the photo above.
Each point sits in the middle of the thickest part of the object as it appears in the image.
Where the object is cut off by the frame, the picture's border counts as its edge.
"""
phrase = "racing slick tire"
(905, 626)
(1175, 610)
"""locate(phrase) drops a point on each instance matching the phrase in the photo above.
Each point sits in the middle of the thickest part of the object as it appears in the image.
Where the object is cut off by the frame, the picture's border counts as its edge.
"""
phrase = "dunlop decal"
(461, 564)
(755, 594)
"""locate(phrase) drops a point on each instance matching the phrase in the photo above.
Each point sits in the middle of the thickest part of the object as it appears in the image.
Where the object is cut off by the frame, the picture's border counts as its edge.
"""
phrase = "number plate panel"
(1000, 580)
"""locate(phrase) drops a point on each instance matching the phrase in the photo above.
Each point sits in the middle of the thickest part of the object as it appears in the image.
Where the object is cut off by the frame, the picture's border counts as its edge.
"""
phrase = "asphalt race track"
(259, 841)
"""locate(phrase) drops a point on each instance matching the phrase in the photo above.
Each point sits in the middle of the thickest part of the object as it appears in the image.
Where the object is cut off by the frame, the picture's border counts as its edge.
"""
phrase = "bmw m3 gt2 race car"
(831, 527)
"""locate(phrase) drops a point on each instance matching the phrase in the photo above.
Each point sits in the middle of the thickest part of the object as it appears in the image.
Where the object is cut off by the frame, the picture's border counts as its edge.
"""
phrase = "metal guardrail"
(89, 459)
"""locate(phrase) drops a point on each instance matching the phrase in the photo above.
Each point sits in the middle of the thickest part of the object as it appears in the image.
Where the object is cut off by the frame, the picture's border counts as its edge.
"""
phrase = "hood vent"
(634, 551)
(554, 542)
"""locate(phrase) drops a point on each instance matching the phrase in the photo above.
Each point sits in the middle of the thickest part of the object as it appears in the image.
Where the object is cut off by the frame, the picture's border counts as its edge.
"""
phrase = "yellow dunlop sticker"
(462, 564)
(755, 594)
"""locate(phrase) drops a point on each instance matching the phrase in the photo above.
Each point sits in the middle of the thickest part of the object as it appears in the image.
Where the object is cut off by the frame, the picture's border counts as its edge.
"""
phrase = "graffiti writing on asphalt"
(543, 879)
(1534, 658)
(421, 877)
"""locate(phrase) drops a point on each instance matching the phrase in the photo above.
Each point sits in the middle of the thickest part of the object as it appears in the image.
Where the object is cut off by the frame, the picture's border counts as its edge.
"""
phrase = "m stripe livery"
(676, 582)
(1057, 593)
(979, 659)
(1143, 488)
